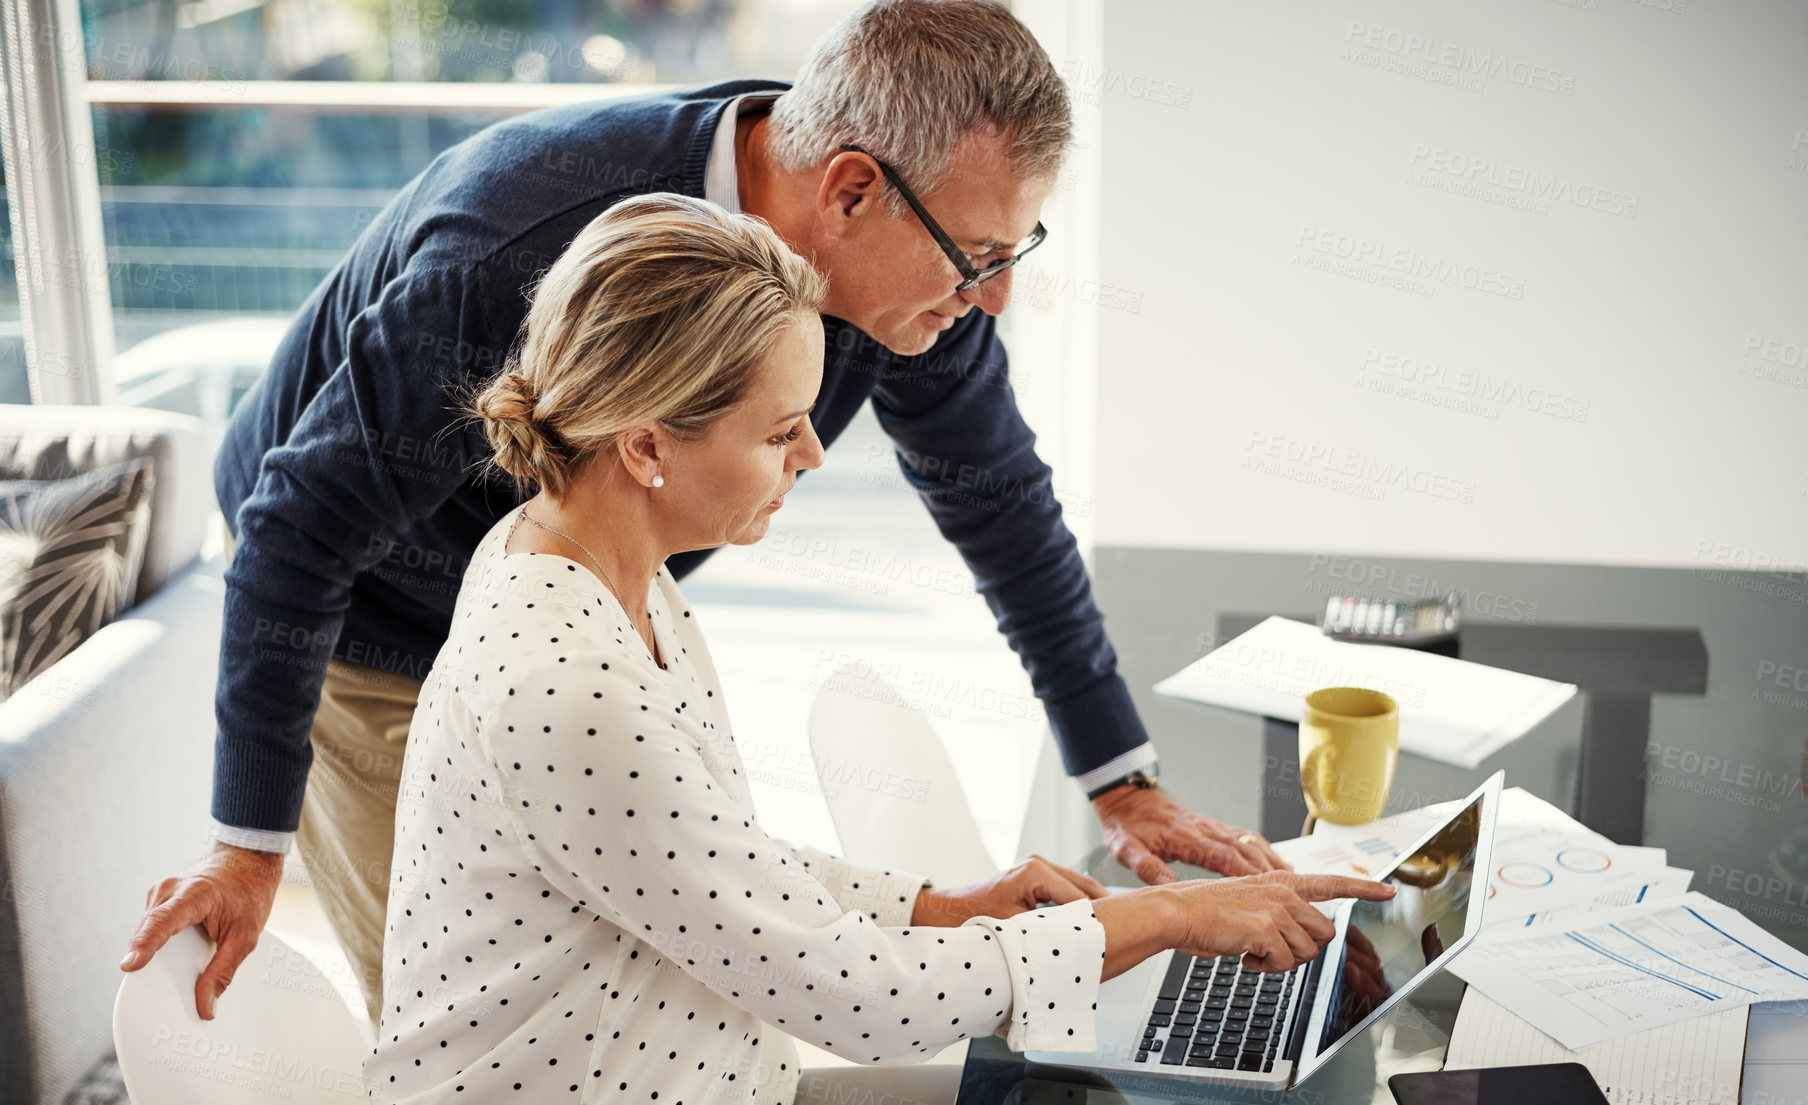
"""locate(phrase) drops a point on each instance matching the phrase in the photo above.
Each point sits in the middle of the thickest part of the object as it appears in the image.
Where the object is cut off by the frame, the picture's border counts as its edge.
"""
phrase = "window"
(243, 145)
(15, 380)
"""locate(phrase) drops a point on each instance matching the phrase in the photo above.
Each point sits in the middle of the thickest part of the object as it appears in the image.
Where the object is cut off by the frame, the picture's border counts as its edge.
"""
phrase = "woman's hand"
(229, 893)
(1021, 888)
(1268, 917)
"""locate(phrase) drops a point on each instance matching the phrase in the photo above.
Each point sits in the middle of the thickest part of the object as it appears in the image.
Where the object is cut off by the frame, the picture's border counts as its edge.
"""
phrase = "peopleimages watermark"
(261, 1070)
(1713, 776)
(861, 567)
(1267, 667)
(1341, 469)
(1775, 681)
(128, 62)
(1758, 571)
(923, 687)
(1446, 62)
(1346, 573)
(1508, 185)
(1089, 84)
(1464, 390)
(1767, 358)
(73, 267)
(1756, 884)
(52, 362)
(965, 483)
(438, 30)
(1039, 286)
(804, 770)
(1410, 269)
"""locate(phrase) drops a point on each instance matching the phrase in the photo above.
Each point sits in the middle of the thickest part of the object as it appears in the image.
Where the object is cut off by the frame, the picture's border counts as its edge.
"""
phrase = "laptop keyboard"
(1213, 1013)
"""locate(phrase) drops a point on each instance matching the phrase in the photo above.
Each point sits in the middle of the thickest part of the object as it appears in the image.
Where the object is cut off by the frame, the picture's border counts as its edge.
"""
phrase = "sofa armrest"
(105, 778)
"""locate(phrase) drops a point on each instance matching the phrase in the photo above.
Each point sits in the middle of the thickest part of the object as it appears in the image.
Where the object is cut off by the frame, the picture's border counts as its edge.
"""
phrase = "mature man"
(909, 162)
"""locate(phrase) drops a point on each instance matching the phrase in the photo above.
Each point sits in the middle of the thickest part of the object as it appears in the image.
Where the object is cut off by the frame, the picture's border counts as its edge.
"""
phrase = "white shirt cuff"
(1137, 758)
(1052, 1014)
(258, 840)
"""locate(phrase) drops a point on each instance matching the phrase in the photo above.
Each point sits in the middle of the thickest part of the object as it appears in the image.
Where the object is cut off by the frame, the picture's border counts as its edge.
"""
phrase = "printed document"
(1619, 971)
(1451, 711)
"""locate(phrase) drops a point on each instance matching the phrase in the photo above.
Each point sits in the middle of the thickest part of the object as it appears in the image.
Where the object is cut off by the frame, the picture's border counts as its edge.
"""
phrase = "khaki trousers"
(347, 833)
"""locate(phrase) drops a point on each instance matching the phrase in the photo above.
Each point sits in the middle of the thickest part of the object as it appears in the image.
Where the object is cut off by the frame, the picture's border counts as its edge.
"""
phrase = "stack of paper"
(1451, 711)
(1619, 971)
(1695, 1062)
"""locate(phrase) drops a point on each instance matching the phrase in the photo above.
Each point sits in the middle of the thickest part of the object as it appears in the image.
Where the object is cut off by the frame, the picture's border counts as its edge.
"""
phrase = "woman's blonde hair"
(658, 311)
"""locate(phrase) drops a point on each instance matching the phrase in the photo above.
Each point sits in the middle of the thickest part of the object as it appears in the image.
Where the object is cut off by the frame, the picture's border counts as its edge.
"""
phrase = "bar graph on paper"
(1363, 857)
(1629, 969)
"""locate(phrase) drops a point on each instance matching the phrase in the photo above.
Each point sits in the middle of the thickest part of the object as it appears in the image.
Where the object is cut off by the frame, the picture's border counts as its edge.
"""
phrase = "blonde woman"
(583, 906)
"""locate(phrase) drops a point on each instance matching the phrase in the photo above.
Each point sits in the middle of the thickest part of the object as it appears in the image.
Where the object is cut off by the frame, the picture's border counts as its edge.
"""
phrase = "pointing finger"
(1319, 888)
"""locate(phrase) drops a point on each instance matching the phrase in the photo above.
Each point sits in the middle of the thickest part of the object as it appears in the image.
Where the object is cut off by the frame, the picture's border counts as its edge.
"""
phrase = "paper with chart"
(1546, 867)
(1620, 971)
(1693, 1062)
(1451, 711)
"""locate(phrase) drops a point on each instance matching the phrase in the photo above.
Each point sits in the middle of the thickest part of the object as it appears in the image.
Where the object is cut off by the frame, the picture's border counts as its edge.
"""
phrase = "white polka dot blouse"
(584, 908)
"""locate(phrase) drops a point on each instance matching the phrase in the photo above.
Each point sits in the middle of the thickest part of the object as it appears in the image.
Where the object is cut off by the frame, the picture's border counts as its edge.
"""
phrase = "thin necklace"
(610, 583)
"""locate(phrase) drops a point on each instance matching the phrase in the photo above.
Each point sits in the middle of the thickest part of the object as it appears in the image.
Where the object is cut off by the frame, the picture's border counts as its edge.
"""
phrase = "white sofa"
(106, 757)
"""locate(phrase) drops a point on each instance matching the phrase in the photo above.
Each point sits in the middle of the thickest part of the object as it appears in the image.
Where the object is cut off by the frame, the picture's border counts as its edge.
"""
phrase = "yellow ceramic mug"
(1349, 738)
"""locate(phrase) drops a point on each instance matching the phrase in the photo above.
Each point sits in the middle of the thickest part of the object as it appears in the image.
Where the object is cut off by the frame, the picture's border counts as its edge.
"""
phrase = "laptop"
(1212, 1020)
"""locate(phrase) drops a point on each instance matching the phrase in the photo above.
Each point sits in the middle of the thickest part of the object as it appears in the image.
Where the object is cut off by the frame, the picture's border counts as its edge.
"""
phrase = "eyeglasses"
(972, 277)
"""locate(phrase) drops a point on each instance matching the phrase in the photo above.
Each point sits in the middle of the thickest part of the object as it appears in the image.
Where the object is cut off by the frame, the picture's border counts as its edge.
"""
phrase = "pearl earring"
(658, 481)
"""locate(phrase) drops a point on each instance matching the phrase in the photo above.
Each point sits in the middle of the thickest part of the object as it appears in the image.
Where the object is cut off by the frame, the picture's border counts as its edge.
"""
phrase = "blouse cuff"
(893, 896)
(1055, 957)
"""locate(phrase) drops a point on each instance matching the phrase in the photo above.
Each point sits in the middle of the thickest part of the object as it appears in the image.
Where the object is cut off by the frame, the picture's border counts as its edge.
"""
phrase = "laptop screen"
(1389, 944)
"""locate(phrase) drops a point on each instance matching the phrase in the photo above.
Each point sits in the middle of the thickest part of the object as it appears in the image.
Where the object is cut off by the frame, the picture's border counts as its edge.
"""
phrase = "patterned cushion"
(70, 551)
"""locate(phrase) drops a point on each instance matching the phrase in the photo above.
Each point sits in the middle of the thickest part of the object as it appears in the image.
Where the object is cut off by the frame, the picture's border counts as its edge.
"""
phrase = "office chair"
(282, 1029)
(890, 786)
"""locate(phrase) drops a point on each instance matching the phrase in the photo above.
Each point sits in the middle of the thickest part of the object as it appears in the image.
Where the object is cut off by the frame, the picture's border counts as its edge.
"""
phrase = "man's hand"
(1005, 894)
(1145, 827)
(229, 893)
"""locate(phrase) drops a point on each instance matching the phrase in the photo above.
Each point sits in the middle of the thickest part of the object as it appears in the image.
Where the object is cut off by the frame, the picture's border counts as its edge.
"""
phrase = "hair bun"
(516, 435)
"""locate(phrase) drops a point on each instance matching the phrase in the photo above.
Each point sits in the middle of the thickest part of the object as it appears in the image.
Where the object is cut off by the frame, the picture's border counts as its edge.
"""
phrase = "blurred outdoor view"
(241, 145)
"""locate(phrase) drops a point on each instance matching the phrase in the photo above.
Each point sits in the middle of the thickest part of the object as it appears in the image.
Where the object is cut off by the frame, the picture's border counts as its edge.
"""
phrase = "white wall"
(1357, 296)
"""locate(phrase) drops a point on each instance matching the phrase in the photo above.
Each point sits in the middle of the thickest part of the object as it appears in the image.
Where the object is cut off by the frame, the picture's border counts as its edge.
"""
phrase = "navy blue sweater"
(351, 482)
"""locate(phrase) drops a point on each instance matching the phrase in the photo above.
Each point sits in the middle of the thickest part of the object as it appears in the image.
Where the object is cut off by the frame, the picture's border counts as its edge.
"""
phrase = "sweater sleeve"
(379, 447)
(965, 448)
(616, 805)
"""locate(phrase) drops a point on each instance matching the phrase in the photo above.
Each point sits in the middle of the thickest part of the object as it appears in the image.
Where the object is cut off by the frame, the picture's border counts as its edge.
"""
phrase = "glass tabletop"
(1413, 1036)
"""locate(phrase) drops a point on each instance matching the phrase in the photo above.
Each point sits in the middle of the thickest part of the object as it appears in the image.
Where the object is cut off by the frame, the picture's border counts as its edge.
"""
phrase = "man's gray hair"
(906, 80)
